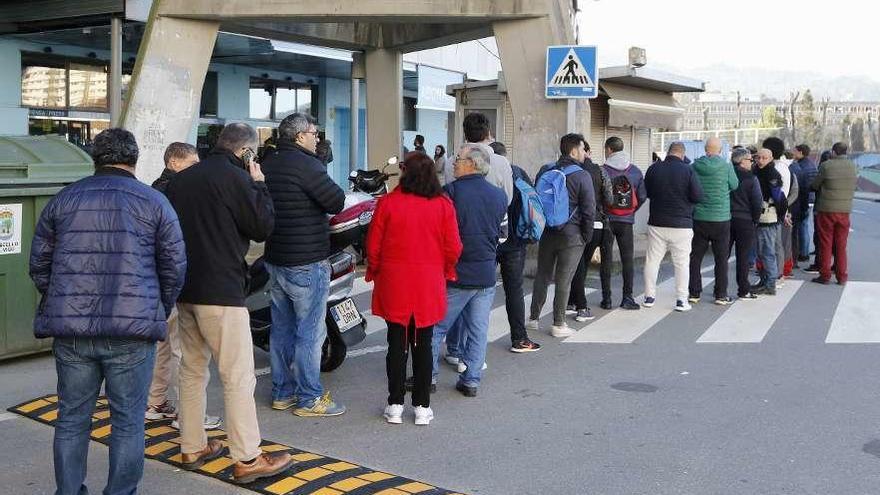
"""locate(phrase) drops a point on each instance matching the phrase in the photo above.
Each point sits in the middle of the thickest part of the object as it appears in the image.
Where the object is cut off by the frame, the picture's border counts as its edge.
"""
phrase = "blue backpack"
(531, 221)
(554, 195)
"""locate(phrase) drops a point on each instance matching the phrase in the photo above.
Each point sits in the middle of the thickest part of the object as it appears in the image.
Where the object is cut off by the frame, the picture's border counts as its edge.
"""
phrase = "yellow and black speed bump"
(311, 474)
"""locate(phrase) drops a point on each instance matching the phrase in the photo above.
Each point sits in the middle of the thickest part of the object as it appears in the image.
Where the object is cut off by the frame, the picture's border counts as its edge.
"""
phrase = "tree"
(857, 135)
(807, 124)
(875, 143)
(770, 118)
(845, 127)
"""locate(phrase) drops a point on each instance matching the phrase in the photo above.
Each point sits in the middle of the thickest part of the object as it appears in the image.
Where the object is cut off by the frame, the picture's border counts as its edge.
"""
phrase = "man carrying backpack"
(628, 195)
(577, 300)
(512, 257)
(569, 203)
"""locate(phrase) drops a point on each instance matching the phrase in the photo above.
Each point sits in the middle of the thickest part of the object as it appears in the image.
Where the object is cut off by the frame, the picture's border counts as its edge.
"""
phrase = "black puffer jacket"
(303, 195)
(221, 210)
(108, 258)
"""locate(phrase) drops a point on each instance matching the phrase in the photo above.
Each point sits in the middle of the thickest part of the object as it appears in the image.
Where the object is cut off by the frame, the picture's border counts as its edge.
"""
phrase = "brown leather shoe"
(193, 461)
(264, 466)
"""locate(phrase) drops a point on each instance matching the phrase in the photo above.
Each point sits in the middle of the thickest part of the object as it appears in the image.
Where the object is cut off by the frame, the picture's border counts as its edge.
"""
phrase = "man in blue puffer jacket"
(109, 261)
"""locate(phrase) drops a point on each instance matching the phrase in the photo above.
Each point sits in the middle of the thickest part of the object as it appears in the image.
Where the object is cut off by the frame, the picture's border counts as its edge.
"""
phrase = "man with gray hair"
(296, 257)
(223, 205)
(674, 190)
(481, 209)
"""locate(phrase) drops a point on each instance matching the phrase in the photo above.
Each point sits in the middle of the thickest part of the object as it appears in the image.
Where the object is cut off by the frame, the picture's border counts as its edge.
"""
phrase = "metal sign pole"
(571, 114)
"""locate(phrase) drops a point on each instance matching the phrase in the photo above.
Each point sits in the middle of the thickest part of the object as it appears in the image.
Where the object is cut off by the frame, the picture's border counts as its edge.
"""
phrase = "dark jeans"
(400, 340)
(578, 295)
(718, 234)
(743, 233)
(125, 367)
(513, 262)
(623, 233)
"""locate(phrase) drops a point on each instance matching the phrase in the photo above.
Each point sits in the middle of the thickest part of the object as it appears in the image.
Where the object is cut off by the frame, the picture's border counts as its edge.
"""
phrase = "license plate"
(345, 314)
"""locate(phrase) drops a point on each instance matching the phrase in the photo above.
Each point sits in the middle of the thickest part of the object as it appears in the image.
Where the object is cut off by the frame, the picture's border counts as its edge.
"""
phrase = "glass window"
(274, 100)
(410, 117)
(208, 105)
(43, 87)
(88, 86)
(260, 101)
(304, 101)
(285, 102)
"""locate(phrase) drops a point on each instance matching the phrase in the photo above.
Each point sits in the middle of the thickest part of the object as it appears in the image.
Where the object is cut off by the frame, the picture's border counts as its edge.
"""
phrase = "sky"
(770, 34)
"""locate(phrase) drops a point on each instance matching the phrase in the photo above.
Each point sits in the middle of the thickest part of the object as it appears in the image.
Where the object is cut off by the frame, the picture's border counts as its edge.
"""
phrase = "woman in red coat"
(412, 248)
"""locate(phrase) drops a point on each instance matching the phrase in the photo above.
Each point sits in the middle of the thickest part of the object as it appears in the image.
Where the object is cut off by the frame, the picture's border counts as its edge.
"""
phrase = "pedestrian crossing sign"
(571, 72)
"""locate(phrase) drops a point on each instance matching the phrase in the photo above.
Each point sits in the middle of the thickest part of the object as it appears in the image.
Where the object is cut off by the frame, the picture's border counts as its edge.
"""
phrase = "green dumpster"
(32, 170)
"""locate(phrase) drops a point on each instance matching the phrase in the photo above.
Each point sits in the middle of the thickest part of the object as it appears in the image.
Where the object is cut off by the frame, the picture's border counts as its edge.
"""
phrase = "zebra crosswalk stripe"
(623, 326)
(857, 318)
(749, 321)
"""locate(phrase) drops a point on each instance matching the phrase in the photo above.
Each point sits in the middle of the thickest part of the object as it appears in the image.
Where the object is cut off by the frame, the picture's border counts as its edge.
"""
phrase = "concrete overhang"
(644, 77)
(366, 24)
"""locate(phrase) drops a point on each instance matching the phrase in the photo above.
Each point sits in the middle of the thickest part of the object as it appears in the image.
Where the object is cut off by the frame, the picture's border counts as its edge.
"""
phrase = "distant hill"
(778, 84)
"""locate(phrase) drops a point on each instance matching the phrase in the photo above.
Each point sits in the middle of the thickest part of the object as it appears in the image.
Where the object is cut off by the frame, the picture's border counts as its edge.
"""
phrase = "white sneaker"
(682, 306)
(210, 423)
(561, 331)
(463, 367)
(424, 415)
(394, 413)
(452, 360)
(532, 325)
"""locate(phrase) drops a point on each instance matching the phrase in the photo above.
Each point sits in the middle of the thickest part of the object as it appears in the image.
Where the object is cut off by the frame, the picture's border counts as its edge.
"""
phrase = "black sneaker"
(803, 259)
(525, 345)
(757, 287)
(811, 269)
(723, 301)
(765, 291)
(748, 297)
(693, 298)
(629, 303)
(606, 304)
(465, 390)
(409, 385)
(820, 280)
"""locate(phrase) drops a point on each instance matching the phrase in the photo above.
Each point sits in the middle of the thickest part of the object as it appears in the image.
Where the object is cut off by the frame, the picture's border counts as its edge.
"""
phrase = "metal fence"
(661, 140)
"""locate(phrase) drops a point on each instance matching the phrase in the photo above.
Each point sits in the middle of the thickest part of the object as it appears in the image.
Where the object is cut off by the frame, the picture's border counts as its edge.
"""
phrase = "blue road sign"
(571, 72)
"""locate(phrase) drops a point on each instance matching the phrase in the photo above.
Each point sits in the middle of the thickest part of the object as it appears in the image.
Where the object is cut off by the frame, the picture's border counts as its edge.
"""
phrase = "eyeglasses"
(315, 133)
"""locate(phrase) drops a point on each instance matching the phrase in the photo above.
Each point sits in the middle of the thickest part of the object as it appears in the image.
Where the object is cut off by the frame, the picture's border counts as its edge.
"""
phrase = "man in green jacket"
(712, 220)
(836, 184)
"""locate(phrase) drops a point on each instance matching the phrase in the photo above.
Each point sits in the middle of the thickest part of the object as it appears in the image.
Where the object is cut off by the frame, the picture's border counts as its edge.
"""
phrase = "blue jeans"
(126, 367)
(767, 254)
(299, 309)
(804, 235)
(470, 308)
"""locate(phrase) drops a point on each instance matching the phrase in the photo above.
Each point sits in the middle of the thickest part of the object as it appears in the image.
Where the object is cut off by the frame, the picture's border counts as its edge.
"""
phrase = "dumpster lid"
(39, 160)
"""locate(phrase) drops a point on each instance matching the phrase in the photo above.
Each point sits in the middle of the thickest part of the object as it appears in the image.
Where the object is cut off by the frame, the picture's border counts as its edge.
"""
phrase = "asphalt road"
(762, 407)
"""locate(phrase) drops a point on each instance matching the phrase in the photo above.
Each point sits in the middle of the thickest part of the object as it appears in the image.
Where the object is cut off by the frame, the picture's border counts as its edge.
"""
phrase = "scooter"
(346, 325)
(365, 185)
(372, 182)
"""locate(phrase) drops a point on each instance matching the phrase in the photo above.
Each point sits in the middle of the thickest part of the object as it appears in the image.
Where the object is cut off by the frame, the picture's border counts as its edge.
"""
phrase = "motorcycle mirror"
(392, 161)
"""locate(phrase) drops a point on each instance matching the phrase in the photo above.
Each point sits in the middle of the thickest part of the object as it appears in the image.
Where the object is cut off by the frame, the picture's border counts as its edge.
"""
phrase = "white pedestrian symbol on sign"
(571, 73)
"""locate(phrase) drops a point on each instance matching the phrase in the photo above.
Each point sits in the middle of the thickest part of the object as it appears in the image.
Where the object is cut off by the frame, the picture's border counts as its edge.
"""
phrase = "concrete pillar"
(384, 71)
(538, 122)
(166, 86)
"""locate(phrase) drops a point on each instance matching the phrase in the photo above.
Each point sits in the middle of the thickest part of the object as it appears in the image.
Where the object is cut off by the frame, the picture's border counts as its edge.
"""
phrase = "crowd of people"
(143, 287)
